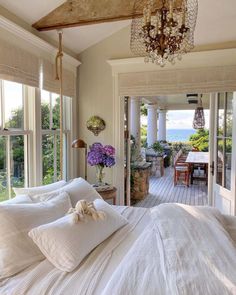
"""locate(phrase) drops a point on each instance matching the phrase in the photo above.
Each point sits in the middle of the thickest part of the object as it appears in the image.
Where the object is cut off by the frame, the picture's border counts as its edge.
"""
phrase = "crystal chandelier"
(166, 30)
(199, 117)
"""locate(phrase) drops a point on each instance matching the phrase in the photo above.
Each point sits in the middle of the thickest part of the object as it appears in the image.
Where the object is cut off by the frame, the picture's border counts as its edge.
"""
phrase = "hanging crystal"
(166, 30)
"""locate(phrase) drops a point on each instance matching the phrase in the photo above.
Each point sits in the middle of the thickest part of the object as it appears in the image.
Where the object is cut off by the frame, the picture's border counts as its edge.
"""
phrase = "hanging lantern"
(199, 117)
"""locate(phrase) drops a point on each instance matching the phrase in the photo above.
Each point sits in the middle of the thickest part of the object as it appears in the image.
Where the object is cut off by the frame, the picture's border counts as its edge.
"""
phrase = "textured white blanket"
(187, 251)
(44, 279)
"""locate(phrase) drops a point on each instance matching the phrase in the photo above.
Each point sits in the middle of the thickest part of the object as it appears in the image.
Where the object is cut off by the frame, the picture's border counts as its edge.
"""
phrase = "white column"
(162, 125)
(135, 119)
(151, 124)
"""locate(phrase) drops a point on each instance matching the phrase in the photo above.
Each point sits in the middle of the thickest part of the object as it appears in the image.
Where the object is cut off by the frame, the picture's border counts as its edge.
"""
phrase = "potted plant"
(157, 147)
(101, 156)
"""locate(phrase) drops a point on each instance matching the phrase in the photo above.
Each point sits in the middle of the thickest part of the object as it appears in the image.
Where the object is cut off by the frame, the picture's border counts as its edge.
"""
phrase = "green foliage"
(177, 146)
(143, 110)
(47, 141)
(144, 136)
(200, 140)
(157, 147)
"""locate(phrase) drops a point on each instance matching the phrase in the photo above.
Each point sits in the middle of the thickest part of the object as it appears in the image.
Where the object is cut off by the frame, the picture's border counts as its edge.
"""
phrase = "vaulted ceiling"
(215, 25)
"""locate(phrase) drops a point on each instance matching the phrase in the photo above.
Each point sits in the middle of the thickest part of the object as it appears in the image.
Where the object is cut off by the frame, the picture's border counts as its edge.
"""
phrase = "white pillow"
(66, 244)
(31, 191)
(78, 189)
(17, 250)
(20, 199)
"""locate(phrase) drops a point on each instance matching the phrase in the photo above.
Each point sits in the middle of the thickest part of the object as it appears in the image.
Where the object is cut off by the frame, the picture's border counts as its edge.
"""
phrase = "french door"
(223, 166)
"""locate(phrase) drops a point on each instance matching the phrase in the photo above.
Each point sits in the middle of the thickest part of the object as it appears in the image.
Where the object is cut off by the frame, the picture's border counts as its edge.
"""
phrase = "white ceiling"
(176, 102)
(216, 22)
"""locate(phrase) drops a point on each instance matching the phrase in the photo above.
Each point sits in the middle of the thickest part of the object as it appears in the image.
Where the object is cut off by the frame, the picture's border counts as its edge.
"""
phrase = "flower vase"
(100, 175)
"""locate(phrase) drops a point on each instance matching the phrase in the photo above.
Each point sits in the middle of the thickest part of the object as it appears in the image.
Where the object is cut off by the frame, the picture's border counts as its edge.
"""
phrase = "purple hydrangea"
(109, 150)
(96, 146)
(94, 158)
(110, 161)
(101, 155)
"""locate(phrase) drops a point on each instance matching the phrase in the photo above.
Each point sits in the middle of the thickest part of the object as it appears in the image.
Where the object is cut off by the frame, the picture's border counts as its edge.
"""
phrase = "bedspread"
(186, 251)
(92, 274)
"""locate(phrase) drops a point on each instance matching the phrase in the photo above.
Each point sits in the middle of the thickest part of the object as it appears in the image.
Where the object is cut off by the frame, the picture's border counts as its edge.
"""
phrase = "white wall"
(95, 90)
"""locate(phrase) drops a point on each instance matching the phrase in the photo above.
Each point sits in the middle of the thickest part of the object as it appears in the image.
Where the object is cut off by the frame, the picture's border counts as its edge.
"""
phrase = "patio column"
(151, 124)
(135, 119)
(162, 125)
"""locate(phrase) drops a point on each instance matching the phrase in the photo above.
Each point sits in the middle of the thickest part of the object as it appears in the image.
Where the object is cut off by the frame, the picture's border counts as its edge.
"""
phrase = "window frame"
(24, 131)
(67, 130)
(33, 132)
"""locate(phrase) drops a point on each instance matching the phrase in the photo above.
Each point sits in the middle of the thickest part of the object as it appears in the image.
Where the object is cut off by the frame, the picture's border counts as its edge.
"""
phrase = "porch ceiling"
(176, 102)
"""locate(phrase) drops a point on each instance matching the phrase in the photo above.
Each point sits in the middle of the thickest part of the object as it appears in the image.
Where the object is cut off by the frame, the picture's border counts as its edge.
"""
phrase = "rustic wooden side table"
(109, 194)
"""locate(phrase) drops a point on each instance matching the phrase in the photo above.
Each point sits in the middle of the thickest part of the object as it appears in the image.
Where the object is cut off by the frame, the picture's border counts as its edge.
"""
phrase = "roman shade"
(52, 85)
(19, 65)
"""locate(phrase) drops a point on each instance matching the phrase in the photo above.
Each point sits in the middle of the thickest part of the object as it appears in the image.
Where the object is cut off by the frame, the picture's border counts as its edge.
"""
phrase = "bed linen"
(92, 274)
(187, 251)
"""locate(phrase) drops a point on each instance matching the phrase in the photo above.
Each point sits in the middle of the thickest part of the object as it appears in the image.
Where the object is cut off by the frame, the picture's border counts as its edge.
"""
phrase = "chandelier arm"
(165, 34)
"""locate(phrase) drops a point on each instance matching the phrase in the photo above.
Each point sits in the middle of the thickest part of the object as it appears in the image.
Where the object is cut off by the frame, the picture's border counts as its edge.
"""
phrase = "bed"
(170, 249)
(92, 275)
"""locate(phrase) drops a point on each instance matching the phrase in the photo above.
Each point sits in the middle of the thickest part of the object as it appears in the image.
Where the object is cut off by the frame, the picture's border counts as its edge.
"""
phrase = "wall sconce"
(80, 144)
(96, 125)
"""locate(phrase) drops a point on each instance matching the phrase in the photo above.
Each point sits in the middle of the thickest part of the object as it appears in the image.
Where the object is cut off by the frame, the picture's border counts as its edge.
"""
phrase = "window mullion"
(3, 106)
(8, 155)
(55, 156)
(50, 118)
(1, 109)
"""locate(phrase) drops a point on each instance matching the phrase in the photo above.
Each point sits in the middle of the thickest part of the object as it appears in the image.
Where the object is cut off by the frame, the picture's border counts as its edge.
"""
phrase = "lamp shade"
(79, 143)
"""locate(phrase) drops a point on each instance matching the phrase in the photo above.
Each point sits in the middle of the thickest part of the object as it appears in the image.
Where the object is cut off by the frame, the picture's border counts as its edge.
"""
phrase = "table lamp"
(80, 144)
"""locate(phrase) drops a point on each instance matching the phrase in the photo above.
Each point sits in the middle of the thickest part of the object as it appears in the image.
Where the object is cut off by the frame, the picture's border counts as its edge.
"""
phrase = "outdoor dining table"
(198, 160)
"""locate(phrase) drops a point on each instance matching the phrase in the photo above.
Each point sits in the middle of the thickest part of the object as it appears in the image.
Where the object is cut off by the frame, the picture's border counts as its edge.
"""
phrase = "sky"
(183, 119)
(180, 119)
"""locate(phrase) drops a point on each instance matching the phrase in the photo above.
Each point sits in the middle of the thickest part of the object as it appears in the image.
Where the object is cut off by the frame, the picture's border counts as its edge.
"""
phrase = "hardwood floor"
(162, 190)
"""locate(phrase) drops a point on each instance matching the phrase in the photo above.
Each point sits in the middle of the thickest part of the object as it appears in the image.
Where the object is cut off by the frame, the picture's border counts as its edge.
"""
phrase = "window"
(50, 124)
(30, 137)
(13, 138)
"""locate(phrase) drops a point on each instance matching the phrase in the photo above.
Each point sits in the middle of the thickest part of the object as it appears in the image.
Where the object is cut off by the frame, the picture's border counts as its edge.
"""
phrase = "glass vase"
(100, 175)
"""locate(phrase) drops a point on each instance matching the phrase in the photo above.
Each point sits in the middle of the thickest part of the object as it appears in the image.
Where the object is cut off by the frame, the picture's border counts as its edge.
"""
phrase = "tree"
(200, 140)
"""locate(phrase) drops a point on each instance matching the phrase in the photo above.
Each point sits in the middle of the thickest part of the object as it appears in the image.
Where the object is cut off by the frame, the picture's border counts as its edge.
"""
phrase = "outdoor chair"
(181, 169)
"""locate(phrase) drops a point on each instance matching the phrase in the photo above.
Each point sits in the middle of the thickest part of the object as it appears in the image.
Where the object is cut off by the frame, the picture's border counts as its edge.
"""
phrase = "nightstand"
(109, 194)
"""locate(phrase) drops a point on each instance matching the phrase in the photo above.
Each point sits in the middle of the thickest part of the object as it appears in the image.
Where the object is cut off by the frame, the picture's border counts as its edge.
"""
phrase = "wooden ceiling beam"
(74, 13)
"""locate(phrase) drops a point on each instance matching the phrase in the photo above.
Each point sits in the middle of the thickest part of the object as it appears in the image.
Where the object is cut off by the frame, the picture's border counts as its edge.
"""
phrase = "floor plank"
(162, 190)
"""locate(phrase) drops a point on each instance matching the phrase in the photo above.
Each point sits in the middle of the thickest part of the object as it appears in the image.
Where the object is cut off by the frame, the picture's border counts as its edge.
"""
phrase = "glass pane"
(13, 101)
(17, 161)
(55, 111)
(67, 112)
(45, 109)
(229, 114)
(48, 158)
(228, 155)
(3, 170)
(221, 103)
(220, 161)
(58, 157)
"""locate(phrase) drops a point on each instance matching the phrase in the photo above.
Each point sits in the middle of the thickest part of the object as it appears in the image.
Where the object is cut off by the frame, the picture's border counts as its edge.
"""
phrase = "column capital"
(162, 111)
(152, 106)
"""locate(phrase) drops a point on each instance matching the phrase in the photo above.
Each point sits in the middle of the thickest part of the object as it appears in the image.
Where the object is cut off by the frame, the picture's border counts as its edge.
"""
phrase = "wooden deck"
(162, 190)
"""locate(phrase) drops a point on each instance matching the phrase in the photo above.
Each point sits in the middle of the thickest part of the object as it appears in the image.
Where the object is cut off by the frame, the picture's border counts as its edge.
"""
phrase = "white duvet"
(186, 251)
(183, 251)
(92, 274)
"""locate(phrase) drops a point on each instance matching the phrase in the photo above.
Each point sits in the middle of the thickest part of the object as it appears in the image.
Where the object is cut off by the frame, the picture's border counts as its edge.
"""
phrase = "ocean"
(179, 134)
